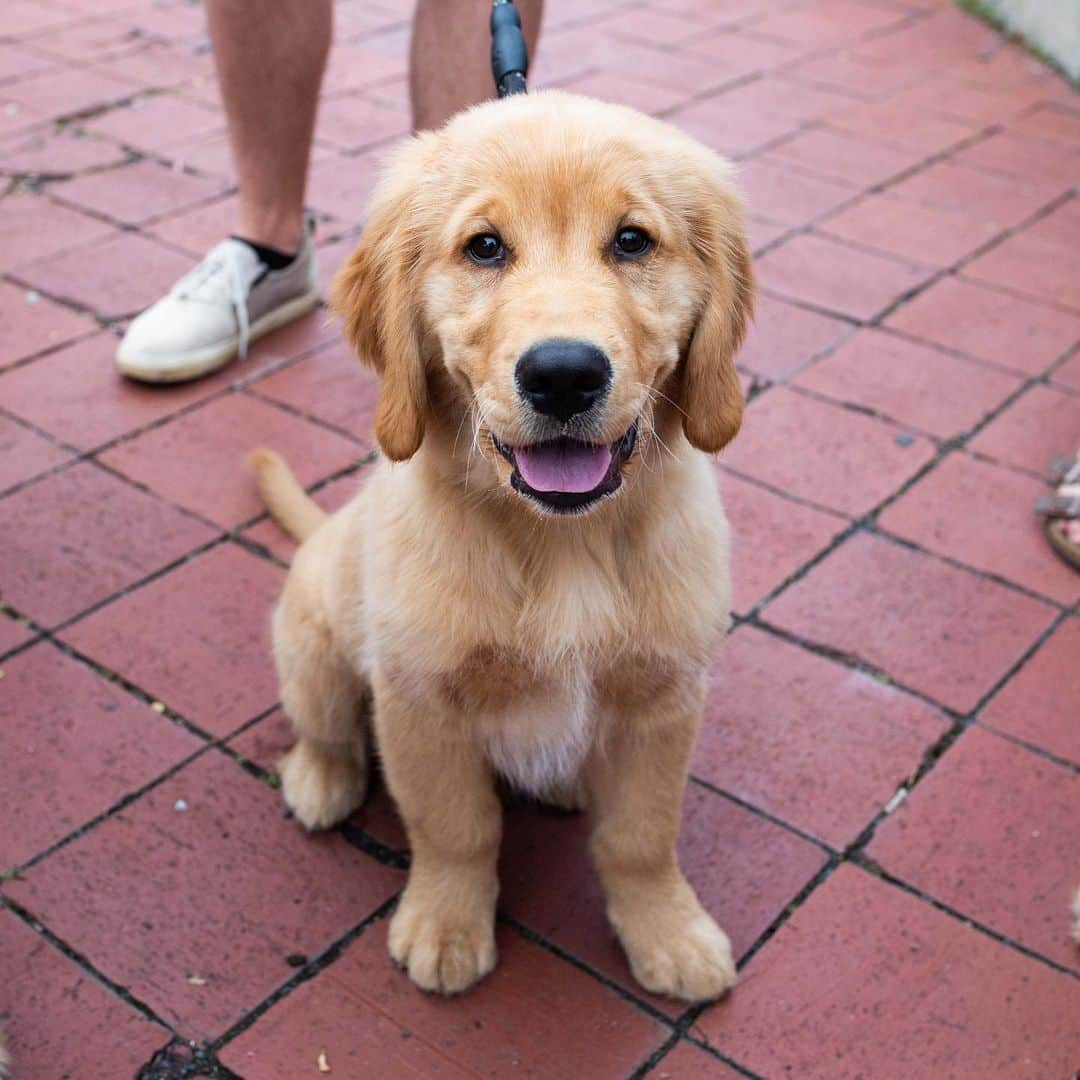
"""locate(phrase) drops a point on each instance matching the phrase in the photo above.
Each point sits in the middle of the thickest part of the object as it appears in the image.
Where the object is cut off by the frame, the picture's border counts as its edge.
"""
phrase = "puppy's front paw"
(681, 954)
(321, 786)
(443, 952)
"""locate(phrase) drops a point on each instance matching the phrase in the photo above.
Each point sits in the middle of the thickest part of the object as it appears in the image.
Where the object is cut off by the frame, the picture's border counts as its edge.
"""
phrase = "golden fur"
(482, 635)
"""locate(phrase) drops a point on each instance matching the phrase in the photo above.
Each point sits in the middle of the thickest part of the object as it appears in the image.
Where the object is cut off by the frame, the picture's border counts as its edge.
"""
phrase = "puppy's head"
(565, 279)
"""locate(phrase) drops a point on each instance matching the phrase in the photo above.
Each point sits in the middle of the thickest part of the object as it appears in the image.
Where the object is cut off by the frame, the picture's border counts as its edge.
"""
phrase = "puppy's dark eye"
(630, 243)
(485, 248)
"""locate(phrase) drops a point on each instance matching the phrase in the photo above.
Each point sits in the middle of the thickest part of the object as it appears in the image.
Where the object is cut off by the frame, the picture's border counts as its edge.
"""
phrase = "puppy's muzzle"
(562, 378)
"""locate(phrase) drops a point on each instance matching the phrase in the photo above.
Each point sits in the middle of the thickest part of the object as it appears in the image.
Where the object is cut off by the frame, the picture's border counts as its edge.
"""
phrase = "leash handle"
(509, 56)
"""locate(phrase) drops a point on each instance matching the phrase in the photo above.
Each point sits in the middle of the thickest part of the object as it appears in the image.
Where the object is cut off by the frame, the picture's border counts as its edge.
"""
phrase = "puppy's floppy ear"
(373, 294)
(711, 397)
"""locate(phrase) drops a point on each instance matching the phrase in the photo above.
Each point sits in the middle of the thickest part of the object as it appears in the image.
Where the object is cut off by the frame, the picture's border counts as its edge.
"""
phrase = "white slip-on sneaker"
(212, 313)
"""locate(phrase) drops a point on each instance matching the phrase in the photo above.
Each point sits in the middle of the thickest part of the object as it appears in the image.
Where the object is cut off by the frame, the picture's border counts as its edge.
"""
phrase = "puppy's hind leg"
(324, 776)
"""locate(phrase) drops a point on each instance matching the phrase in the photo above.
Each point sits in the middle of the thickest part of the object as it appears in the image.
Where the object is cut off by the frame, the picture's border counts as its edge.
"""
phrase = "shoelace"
(202, 281)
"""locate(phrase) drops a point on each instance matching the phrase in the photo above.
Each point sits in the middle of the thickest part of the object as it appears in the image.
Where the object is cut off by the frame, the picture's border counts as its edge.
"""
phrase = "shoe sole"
(206, 361)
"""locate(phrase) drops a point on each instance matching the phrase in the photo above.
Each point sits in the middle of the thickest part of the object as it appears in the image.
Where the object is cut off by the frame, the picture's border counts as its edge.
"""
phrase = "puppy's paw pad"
(441, 957)
(320, 788)
(692, 964)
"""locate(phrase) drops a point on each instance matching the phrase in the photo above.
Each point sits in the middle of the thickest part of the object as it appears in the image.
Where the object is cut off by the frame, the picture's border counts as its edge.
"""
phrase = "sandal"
(1062, 511)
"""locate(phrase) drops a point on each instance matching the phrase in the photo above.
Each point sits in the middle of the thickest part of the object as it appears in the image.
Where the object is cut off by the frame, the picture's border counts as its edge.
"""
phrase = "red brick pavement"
(885, 803)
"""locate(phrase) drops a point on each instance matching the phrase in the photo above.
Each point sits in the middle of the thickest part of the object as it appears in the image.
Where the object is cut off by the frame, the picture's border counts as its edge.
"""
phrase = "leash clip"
(509, 56)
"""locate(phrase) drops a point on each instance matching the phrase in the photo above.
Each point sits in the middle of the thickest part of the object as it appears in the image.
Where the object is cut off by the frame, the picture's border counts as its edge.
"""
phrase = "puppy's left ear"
(374, 296)
(712, 399)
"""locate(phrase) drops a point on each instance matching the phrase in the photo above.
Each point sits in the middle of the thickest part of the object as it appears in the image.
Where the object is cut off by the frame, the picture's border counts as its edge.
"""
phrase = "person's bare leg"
(451, 55)
(270, 56)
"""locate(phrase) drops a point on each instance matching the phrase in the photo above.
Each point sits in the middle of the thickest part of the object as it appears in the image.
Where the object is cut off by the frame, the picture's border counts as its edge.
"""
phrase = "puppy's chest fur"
(536, 728)
(536, 654)
(532, 699)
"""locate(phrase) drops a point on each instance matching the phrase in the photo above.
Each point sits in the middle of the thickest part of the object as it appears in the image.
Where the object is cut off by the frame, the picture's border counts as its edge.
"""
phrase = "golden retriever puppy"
(532, 583)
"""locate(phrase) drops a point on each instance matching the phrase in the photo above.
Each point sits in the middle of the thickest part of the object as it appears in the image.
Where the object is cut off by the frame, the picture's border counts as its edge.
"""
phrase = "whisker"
(653, 437)
(652, 427)
(461, 423)
(476, 409)
(654, 394)
(663, 445)
(482, 415)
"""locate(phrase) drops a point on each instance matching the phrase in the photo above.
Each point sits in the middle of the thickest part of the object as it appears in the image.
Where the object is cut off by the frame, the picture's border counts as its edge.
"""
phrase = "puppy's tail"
(5, 1061)
(289, 504)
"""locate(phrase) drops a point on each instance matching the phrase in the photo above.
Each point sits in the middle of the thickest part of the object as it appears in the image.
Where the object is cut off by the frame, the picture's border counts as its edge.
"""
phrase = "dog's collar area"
(547, 460)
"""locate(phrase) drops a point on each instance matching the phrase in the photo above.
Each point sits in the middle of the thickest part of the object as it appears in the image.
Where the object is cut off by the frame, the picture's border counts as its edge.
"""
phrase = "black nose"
(562, 378)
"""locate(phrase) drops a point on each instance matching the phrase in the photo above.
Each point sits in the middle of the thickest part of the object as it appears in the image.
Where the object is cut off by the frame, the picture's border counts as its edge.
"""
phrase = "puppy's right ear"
(374, 296)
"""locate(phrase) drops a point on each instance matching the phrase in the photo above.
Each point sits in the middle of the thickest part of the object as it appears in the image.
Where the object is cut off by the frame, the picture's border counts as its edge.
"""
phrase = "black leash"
(509, 57)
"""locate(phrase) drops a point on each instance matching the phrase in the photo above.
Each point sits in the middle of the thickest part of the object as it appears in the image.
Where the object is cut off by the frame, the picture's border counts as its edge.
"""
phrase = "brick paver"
(32, 227)
(928, 389)
(81, 535)
(130, 272)
(60, 1020)
(939, 629)
(883, 804)
(991, 832)
(34, 324)
(948, 512)
(911, 231)
(985, 324)
(774, 540)
(213, 664)
(837, 277)
(13, 632)
(225, 894)
(199, 228)
(135, 194)
(330, 387)
(52, 394)
(156, 122)
(65, 91)
(181, 458)
(784, 338)
(45, 152)
(866, 980)
(1030, 434)
(828, 455)
(63, 767)
(1041, 702)
(807, 739)
(25, 454)
(843, 158)
(530, 1016)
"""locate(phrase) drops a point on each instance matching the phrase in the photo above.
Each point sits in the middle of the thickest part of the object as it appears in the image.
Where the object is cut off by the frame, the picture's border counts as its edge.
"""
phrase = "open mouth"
(568, 475)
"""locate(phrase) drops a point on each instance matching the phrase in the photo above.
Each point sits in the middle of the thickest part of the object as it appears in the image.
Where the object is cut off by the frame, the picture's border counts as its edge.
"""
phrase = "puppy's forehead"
(550, 151)
(554, 144)
(521, 164)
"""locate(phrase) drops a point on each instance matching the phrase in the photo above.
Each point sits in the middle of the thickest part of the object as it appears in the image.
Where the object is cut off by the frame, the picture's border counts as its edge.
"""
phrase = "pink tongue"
(563, 465)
